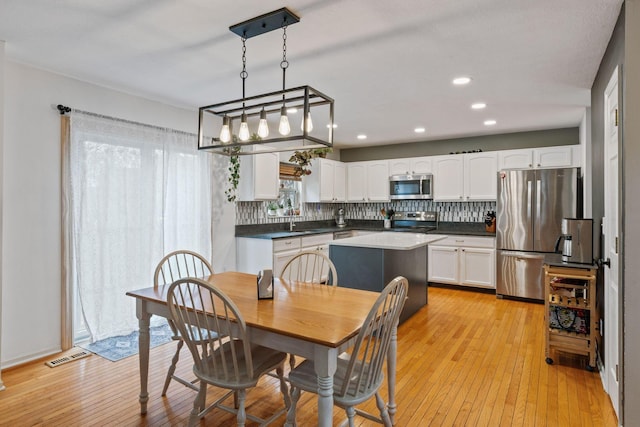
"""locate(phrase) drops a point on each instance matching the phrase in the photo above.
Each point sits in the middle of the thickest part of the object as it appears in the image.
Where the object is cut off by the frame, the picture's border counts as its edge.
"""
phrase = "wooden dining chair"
(359, 372)
(310, 267)
(178, 265)
(216, 334)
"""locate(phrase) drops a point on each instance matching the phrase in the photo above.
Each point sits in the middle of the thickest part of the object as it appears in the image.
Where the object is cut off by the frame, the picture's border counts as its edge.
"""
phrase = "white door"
(611, 241)
(357, 182)
(480, 176)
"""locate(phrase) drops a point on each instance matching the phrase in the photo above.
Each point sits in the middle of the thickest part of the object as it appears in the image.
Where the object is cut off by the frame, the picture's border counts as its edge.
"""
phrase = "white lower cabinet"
(463, 260)
(253, 255)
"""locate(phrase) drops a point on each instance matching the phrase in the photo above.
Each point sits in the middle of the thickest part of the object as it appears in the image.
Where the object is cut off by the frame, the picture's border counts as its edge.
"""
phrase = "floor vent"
(69, 358)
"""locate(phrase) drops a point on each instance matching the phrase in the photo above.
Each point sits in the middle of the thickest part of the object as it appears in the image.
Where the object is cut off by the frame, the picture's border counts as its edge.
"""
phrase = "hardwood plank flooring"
(467, 359)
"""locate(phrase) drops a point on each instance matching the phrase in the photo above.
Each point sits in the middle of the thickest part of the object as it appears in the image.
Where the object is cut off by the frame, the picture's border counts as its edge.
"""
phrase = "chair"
(310, 267)
(174, 266)
(359, 372)
(224, 358)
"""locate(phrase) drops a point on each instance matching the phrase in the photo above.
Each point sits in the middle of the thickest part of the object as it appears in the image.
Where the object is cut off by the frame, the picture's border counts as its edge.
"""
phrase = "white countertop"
(390, 240)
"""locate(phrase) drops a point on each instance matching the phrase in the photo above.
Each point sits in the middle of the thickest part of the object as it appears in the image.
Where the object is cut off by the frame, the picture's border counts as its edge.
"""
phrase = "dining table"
(313, 321)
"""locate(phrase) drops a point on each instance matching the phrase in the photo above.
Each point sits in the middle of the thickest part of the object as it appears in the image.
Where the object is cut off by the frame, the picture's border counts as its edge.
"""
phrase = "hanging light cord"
(284, 63)
(243, 73)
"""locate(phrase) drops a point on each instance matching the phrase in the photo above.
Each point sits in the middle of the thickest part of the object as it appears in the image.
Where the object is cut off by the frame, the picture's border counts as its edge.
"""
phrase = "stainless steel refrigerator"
(530, 208)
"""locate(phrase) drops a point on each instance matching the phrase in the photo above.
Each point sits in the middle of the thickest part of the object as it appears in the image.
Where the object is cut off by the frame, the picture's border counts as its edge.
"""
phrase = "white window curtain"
(133, 194)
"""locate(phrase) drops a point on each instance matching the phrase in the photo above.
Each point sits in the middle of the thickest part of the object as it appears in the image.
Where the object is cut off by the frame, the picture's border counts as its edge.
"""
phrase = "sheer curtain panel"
(133, 193)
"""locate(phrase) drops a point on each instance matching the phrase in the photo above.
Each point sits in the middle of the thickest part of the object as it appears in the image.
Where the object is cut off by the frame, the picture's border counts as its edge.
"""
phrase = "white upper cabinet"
(465, 177)
(417, 165)
(564, 156)
(368, 181)
(259, 177)
(480, 177)
(326, 182)
(448, 175)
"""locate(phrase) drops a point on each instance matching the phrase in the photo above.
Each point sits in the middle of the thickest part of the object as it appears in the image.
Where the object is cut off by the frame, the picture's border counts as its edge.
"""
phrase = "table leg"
(391, 374)
(143, 355)
(325, 363)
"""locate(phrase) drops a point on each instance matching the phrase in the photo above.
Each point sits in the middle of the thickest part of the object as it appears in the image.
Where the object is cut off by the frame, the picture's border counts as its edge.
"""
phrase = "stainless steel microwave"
(411, 187)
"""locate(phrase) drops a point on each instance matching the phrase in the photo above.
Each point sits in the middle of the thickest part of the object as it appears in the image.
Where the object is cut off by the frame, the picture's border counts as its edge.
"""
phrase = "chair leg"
(172, 368)
(198, 405)
(351, 414)
(291, 413)
(292, 361)
(283, 386)
(384, 414)
(242, 414)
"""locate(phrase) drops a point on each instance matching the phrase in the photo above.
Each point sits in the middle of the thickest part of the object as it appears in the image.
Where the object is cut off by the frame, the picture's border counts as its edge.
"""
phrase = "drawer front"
(317, 239)
(468, 241)
(286, 244)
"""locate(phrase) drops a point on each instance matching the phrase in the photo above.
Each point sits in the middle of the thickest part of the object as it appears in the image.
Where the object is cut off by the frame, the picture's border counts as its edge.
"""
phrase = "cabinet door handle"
(287, 243)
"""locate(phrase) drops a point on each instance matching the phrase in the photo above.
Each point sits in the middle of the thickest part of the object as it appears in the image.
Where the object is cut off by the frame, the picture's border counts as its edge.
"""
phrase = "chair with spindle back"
(216, 335)
(359, 372)
(178, 265)
(309, 267)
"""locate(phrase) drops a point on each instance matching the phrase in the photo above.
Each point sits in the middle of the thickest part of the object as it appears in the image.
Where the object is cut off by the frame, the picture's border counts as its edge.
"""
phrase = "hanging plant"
(303, 159)
(234, 173)
(234, 168)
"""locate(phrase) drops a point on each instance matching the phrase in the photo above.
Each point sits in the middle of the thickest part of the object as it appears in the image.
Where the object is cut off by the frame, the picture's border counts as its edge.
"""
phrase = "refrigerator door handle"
(522, 255)
(529, 208)
(538, 202)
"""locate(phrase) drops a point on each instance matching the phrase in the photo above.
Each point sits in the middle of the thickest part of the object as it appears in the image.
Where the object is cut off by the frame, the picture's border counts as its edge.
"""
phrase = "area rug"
(117, 348)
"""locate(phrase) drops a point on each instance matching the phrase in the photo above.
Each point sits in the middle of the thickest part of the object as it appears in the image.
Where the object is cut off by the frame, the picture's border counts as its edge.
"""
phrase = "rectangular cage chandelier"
(299, 118)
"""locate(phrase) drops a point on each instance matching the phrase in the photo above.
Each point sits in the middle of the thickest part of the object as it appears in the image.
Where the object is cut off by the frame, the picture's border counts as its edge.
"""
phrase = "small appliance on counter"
(340, 221)
(576, 240)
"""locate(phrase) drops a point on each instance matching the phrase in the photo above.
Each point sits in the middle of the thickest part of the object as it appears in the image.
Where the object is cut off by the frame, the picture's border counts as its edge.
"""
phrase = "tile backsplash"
(256, 212)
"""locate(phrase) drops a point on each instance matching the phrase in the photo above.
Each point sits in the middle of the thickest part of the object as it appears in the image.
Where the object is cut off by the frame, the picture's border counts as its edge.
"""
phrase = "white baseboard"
(28, 358)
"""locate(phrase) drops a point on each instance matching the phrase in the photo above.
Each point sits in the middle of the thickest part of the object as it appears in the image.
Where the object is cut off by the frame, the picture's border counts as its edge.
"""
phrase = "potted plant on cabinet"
(303, 159)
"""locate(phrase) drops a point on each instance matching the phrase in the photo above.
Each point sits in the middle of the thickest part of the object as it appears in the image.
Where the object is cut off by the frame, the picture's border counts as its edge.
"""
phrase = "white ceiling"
(388, 64)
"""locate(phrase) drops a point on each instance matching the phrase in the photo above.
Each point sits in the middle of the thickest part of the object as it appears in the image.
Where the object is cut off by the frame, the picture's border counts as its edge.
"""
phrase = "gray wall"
(630, 155)
(543, 138)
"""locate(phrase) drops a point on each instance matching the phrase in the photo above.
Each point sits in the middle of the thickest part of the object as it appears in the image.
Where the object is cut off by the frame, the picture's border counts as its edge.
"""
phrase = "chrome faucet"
(291, 224)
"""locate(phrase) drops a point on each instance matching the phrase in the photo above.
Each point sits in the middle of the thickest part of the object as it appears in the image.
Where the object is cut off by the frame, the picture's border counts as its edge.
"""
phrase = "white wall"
(31, 261)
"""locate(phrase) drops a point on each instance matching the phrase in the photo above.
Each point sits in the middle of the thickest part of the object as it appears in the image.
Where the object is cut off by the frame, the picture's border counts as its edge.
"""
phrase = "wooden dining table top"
(327, 315)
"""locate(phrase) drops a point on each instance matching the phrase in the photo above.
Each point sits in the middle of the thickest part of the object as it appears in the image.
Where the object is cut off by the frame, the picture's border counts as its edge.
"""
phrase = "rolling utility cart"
(571, 319)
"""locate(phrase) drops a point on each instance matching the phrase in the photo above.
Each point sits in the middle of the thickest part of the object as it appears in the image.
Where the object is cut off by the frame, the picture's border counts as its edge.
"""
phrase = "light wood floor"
(467, 359)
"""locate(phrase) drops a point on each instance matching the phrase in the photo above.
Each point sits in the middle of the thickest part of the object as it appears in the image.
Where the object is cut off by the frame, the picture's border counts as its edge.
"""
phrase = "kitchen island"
(371, 261)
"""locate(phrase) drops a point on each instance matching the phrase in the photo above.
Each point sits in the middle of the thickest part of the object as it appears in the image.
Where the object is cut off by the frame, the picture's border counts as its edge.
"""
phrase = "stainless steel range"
(416, 222)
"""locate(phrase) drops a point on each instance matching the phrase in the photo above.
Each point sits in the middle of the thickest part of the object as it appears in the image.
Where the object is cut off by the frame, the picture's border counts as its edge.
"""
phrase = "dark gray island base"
(373, 268)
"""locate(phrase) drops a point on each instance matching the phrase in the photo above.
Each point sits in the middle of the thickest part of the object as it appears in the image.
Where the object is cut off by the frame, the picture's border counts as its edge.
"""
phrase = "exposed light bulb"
(225, 132)
(243, 133)
(263, 126)
(309, 123)
(284, 127)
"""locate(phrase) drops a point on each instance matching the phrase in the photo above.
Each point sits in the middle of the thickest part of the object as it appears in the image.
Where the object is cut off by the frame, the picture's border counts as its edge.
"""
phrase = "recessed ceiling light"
(461, 80)
(335, 125)
(478, 105)
(362, 136)
(489, 122)
(419, 130)
(292, 110)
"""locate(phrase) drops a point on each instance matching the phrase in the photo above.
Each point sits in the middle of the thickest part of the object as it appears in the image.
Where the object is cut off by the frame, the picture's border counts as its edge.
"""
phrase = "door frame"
(614, 83)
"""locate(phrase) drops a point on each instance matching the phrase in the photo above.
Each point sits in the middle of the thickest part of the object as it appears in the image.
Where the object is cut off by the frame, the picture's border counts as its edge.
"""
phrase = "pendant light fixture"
(218, 119)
